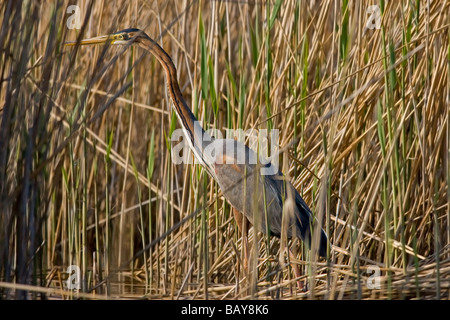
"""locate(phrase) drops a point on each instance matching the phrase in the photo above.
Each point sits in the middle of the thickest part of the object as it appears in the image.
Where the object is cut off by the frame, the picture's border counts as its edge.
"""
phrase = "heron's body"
(269, 202)
(264, 199)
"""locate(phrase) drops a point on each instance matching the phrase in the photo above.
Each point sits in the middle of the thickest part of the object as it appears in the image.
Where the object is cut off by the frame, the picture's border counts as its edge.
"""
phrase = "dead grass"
(364, 122)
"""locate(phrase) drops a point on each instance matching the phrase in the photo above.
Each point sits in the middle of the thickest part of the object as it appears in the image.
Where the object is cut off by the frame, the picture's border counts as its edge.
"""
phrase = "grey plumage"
(273, 194)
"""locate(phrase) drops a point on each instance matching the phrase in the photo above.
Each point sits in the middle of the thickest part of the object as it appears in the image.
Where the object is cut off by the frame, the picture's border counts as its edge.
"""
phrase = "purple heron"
(262, 199)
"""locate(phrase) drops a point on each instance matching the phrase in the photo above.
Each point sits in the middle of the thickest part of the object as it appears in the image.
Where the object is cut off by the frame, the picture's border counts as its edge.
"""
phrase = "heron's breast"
(225, 160)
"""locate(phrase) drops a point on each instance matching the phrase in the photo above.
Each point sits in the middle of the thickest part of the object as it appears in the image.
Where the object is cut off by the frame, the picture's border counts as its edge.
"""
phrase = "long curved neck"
(198, 138)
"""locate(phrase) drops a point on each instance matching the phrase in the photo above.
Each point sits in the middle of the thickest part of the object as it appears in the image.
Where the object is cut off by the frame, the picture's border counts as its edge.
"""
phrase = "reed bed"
(87, 177)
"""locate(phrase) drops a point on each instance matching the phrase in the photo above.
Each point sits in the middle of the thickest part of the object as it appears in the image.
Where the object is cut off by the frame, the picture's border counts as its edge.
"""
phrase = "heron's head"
(121, 37)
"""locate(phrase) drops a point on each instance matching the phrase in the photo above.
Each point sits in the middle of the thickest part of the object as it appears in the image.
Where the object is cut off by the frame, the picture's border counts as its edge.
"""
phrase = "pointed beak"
(96, 40)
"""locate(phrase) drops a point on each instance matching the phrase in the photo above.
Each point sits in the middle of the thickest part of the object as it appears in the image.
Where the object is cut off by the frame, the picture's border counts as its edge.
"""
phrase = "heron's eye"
(120, 36)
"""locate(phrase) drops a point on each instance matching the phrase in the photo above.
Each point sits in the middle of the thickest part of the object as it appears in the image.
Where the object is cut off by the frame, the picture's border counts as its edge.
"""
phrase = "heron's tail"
(321, 247)
(306, 227)
(323, 244)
